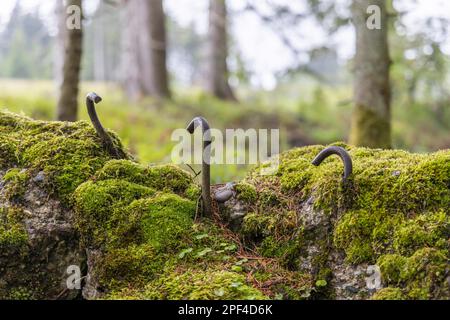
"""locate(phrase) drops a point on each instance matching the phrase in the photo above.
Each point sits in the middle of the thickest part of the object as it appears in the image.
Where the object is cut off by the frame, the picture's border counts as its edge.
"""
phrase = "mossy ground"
(395, 211)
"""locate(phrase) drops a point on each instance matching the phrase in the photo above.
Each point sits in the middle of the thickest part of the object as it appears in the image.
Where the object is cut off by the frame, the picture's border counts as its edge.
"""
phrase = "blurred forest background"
(311, 68)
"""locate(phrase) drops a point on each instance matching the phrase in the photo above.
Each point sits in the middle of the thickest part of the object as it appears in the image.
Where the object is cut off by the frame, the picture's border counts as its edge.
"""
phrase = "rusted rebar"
(342, 153)
(206, 156)
(92, 99)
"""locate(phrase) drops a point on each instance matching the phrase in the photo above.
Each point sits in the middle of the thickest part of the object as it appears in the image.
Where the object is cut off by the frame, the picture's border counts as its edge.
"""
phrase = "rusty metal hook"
(206, 156)
(91, 99)
(342, 153)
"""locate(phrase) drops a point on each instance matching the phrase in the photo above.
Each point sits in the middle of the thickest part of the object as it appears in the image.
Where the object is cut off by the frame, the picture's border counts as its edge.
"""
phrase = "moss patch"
(66, 153)
(12, 229)
(195, 285)
(389, 294)
(15, 184)
(166, 178)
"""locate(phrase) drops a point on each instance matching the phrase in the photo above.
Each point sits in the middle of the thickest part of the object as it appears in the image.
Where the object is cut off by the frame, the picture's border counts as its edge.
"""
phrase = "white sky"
(262, 49)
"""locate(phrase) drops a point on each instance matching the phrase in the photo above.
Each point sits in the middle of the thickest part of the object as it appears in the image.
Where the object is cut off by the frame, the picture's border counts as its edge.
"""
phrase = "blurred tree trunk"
(130, 57)
(217, 73)
(67, 107)
(371, 120)
(145, 49)
(155, 42)
(58, 57)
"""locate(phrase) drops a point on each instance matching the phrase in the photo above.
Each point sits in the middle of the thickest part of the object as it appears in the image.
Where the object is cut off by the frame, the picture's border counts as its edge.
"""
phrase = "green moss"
(391, 266)
(362, 233)
(424, 274)
(166, 178)
(426, 230)
(286, 252)
(421, 276)
(165, 219)
(151, 246)
(389, 294)
(246, 192)
(133, 264)
(353, 234)
(380, 177)
(20, 293)
(8, 147)
(12, 229)
(101, 213)
(67, 153)
(257, 225)
(202, 285)
(15, 180)
(144, 234)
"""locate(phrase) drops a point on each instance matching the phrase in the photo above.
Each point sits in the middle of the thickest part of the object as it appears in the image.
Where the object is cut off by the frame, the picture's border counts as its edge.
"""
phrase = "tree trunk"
(68, 99)
(145, 49)
(371, 120)
(155, 42)
(58, 54)
(217, 73)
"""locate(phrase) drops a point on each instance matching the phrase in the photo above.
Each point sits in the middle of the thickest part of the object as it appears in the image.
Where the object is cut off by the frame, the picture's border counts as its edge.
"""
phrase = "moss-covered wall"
(149, 241)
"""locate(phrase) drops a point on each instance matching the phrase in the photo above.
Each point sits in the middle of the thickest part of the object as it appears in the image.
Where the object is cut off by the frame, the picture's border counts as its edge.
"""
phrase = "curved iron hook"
(342, 153)
(91, 99)
(206, 173)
